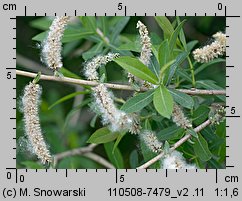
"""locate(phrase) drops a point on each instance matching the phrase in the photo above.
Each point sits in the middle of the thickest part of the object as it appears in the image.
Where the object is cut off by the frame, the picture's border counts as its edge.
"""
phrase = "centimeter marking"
(135, 14)
(125, 14)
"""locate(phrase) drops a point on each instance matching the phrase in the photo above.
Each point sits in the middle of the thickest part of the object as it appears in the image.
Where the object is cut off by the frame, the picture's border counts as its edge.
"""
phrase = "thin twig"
(177, 144)
(73, 152)
(86, 152)
(115, 86)
(99, 160)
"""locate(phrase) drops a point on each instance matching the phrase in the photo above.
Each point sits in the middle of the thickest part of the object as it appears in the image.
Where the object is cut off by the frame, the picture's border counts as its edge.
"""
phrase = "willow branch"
(115, 86)
(99, 160)
(73, 152)
(86, 152)
(177, 144)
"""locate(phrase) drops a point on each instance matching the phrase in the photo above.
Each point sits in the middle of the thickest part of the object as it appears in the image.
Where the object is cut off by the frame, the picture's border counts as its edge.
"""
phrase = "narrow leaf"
(163, 101)
(201, 148)
(137, 68)
(67, 97)
(138, 102)
(118, 27)
(200, 114)
(191, 45)
(69, 35)
(89, 22)
(192, 133)
(134, 159)
(119, 138)
(42, 23)
(182, 98)
(102, 135)
(170, 133)
(164, 53)
(179, 59)
(205, 65)
(165, 67)
(95, 50)
(116, 158)
(209, 84)
(182, 35)
(174, 36)
(165, 25)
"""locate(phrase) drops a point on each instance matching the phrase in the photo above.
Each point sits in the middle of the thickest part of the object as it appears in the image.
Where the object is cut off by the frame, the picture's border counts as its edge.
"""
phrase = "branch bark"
(177, 144)
(115, 86)
(86, 152)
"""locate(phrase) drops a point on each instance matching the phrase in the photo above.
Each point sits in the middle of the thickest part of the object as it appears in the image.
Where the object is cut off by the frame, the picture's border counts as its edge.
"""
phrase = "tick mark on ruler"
(116, 176)
(233, 116)
(11, 68)
(229, 166)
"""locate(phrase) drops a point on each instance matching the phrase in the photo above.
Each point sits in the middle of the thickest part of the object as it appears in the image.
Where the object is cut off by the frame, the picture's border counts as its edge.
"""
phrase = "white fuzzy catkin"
(90, 68)
(115, 118)
(145, 54)
(52, 46)
(175, 160)
(179, 118)
(151, 141)
(212, 51)
(30, 103)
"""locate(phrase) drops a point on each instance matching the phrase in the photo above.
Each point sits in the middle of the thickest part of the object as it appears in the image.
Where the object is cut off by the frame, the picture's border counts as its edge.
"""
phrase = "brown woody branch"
(177, 144)
(114, 86)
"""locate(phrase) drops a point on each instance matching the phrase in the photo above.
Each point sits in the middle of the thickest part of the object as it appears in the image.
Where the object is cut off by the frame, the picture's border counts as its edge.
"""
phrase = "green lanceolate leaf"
(118, 140)
(102, 135)
(67, 97)
(182, 98)
(201, 148)
(118, 27)
(68, 73)
(179, 59)
(69, 35)
(92, 52)
(165, 25)
(137, 68)
(205, 65)
(104, 24)
(89, 22)
(170, 133)
(192, 133)
(209, 84)
(164, 53)
(200, 115)
(163, 101)
(32, 165)
(173, 38)
(165, 67)
(138, 102)
(182, 35)
(191, 45)
(116, 158)
(42, 23)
